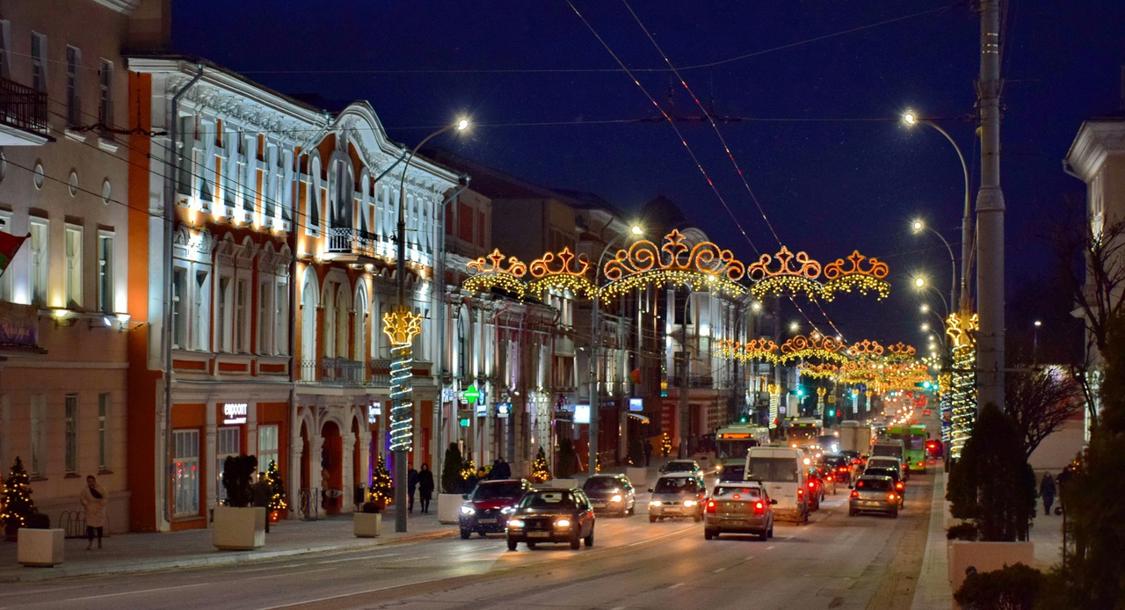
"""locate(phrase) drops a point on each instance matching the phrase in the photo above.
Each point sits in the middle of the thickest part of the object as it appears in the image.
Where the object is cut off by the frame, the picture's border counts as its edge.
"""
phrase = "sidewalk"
(1046, 533)
(933, 589)
(134, 553)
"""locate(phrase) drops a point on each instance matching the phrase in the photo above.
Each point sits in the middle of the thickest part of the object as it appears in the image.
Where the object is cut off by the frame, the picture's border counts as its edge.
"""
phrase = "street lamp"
(910, 119)
(921, 283)
(794, 326)
(595, 341)
(918, 226)
(1035, 342)
(924, 308)
(401, 399)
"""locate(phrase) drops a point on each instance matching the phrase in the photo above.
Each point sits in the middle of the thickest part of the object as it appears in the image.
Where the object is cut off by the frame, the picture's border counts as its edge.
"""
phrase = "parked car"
(552, 515)
(487, 508)
(677, 495)
(689, 466)
(743, 508)
(611, 493)
(732, 470)
(874, 494)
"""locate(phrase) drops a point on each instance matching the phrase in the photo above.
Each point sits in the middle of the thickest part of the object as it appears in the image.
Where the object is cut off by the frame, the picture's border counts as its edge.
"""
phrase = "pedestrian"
(411, 487)
(497, 470)
(1047, 492)
(260, 494)
(648, 452)
(502, 469)
(93, 499)
(425, 487)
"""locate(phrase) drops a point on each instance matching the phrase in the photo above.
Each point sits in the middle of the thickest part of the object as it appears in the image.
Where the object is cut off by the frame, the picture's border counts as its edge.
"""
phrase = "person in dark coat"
(1047, 492)
(411, 486)
(425, 487)
(502, 469)
(260, 494)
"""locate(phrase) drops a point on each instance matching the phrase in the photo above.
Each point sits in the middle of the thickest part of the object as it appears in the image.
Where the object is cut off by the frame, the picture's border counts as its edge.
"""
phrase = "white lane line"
(769, 547)
(717, 570)
(356, 559)
(671, 533)
(138, 592)
(676, 586)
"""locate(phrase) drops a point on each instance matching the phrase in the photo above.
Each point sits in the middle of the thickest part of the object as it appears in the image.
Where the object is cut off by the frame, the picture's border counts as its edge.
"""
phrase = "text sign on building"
(482, 410)
(471, 394)
(374, 410)
(582, 413)
(636, 404)
(503, 409)
(234, 413)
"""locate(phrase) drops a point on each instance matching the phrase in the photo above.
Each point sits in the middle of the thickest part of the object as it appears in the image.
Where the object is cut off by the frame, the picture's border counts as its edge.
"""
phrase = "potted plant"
(237, 525)
(367, 522)
(452, 486)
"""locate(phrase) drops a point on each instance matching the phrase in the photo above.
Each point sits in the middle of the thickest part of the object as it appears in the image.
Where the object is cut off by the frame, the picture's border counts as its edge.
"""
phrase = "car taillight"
(892, 497)
(710, 506)
(855, 494)
(759, 508)
(812, 485)
(800, 493)
(828, 478)
(900, 486)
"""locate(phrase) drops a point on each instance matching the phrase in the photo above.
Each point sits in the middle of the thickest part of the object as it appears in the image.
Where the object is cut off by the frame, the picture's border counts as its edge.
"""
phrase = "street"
(834, 562)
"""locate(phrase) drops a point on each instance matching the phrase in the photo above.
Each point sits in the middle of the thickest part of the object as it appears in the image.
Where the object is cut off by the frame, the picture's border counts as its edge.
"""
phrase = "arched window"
(309, 302)
(343, 304)
(313, 197)
(360, 334)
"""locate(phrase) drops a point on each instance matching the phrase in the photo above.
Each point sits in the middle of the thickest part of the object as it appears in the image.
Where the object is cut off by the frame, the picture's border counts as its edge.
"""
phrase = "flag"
(9, 245)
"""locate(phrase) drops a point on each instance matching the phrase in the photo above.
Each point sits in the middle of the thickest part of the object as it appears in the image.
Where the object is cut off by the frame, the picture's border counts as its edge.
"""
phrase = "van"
(783, 474)
(891, 448)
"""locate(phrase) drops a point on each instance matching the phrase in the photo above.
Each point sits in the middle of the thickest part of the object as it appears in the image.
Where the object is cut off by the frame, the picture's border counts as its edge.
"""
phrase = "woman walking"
(425, 487)
(93, 499)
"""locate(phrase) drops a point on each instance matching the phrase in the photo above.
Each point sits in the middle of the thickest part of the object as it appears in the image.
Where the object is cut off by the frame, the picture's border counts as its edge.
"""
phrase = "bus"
(801, 431)
(913, 439)
(731, 446)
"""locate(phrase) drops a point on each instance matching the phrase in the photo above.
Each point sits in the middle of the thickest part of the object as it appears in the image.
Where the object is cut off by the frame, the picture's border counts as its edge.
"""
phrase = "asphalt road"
(834, 562)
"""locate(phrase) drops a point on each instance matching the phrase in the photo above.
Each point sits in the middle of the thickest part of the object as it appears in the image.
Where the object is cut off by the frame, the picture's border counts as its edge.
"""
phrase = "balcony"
(350, 245)
(23, 115)
(336, 371)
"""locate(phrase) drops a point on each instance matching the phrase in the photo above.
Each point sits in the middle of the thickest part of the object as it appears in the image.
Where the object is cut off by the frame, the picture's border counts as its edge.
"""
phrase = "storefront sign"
(19, 326)
(482, 410)
(582, 413)
(503, 409)
(636, 404)
(374, 410)
(447, 394)
(471, 394)
(234, 413)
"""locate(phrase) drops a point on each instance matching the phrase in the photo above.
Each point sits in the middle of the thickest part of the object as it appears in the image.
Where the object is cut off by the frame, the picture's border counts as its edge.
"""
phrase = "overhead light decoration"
(860, 274)
(563, 271)
(401, 326)
(702, 266)
(866, 349)
(824, 370)
(792, 275)
(901, 351)
(961, 327)
(493, 271)
(759, 349)
(799, 347)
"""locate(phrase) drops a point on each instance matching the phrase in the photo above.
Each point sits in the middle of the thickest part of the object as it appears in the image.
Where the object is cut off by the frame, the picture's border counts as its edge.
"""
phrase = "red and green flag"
(9, 245)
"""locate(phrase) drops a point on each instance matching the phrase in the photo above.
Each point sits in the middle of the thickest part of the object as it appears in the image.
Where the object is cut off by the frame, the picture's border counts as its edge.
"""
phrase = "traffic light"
(742, 419)
(831, 413)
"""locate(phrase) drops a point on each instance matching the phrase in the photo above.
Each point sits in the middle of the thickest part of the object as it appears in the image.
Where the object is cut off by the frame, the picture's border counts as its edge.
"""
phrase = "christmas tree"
(665, 445)
(597, 462)
(539, 470)
(17, 497)
(382, 488)
(277, 488)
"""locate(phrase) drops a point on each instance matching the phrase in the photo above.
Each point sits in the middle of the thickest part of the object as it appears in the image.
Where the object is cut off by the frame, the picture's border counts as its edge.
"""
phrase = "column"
(348, 471)
(209, 454)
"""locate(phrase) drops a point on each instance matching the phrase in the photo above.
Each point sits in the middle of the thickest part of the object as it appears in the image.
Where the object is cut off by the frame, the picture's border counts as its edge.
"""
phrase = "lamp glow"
(909, 118)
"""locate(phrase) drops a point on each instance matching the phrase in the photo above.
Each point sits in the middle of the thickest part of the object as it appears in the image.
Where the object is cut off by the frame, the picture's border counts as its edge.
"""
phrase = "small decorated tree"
(382, 488)
(539, 470)
(451, 470)
(18, 506)
(278, 500)
(665, 445)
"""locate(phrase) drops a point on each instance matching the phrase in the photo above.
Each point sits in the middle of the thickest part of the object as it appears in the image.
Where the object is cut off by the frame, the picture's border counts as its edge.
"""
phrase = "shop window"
(267, 446)
(226, 445)
(185, 485)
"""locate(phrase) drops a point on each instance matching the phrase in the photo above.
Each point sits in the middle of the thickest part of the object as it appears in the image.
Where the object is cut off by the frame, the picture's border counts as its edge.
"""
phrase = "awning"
(638, 416)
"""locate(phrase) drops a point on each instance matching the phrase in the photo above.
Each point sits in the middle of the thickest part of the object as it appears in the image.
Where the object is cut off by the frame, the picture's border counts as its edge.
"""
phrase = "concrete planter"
(366, 525)
(238, 529)
(985, 557)
(638, 476)
(40, 548)
(449, 508)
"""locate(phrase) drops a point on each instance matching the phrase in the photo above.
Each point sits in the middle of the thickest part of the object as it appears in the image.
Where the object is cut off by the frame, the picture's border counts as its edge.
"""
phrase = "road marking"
(717, 570)
(676, 586)
(138, 591)
(769, 547)
(671, 533)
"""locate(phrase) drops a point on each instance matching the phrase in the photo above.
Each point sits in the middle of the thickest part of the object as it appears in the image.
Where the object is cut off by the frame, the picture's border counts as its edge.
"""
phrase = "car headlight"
(467, 510)
(507, 510)
(562, 523)
(690, 503)
(615, 498)
(655, 503)
(515, 523)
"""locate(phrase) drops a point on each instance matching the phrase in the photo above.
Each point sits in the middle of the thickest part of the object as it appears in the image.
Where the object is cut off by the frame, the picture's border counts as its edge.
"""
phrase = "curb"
(218, 559)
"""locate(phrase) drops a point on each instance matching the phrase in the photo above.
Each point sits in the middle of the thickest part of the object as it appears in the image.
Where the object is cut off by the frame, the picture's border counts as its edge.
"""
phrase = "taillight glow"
(855, 494)
(759, 508)
(892, 497)
(710, 506)
(811, 485)
(800, 493)
(900, 486)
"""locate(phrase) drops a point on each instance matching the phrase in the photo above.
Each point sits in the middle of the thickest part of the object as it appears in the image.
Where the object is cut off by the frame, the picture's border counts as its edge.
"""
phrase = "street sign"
(582, 413)
(482, 410)
(464, 422)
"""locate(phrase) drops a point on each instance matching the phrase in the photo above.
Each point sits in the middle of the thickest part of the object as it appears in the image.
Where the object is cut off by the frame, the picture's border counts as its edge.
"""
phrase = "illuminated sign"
(470, 394)
(482, 410)
(582, 413)
(503, 409)
(234, 413)
(636, 404)
(374, 410)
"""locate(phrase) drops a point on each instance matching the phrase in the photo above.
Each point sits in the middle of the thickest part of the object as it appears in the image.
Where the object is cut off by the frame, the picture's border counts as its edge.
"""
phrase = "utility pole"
(990, 215)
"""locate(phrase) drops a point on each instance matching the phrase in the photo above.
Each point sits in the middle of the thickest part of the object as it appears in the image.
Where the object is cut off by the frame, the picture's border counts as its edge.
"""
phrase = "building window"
(105, 96)
(267, 446)
(39, 62)
(71, 417)
(265, 324)
(38, 255)
(179, 308)
(241, 326)
(38, 429)
(105, 273)
(73, 95)
(201, 312)
(5, 48)
(330, 320)
(185, 487)
(226, 445)
(73, 266)
(103, 424)
(281, 319)
(222, 317)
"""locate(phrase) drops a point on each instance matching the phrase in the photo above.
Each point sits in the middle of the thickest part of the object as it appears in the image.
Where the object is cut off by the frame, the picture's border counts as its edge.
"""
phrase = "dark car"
(487, 508)
(611, 493)
(732, 472)
(895, 475)
(678, 466)
(552, 515)
(840, 467)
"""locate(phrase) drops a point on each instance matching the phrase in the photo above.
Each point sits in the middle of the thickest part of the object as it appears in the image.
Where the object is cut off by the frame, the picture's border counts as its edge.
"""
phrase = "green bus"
(913, 438)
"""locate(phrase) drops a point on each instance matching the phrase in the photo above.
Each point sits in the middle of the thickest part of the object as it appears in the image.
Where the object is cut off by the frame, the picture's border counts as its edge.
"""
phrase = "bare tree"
(1092, 264)
(1039, 400)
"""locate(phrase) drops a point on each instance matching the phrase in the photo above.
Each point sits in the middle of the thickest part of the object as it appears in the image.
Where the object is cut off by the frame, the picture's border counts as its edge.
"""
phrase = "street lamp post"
(920, 284)
(918, 226)
(401, 449)
(1035, 342)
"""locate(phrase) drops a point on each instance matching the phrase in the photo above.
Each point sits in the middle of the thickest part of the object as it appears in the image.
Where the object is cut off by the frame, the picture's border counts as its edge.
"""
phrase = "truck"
(855, 436)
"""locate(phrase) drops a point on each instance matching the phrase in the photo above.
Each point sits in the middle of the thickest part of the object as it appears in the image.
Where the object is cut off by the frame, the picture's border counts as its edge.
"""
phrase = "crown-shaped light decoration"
(900, 352)
(857, 371)
(759, 349)
(729, 348)
(703, 266)
(961, 328)
(791, 275)
(866, 349)
(401, 326)
(816, 346)
(858, 273)
(824, 370)
(563, 271)
(493, 271)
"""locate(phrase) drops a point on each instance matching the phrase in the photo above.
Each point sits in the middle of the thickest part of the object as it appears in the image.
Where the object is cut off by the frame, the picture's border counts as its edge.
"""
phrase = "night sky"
(817, 131)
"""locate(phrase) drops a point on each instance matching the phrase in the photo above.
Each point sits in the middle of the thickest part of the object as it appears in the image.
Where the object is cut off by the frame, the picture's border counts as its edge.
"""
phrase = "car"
(611, 493)
(899, 485)
(487, 508)
(841, 467)
(889, 462)
(552, 515)
(732, 470)
(815, 488)
(874, 494)
(689, 466)
(677, 495)
(827, 475)
(743, 508)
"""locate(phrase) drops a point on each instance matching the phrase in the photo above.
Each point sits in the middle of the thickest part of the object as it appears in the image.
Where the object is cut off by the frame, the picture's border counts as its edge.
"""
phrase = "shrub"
(1014, 587)
(237, 471)
(961, 531)
(451, 481)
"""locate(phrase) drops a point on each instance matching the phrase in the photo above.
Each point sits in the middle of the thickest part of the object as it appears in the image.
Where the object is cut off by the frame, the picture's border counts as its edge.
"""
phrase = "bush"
(961, 531)
(237, 471)
(1014, 587)
(451, 481)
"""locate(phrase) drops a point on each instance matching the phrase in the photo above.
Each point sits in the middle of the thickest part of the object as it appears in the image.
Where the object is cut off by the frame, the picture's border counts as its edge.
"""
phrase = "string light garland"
(961, 328)
(824, 370)
(401, 326)
(785, 278)
(494, 271)
(901, 351)
(866, 349)
(817, 346)
(562, 271)
(674, 262)
(856, 277)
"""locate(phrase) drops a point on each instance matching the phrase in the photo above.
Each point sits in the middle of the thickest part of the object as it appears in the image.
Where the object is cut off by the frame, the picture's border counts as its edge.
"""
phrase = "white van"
(885, 447)
(781, 471)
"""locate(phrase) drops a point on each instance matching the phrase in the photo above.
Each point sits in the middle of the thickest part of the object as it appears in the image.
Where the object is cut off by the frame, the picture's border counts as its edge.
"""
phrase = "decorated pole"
(401, 326)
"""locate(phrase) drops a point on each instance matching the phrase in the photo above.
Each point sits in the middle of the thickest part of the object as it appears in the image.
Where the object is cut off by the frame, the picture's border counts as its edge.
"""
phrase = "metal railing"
(308, 371)
(347, 240)
(73, 522)
(341, 370)
(23, 107)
